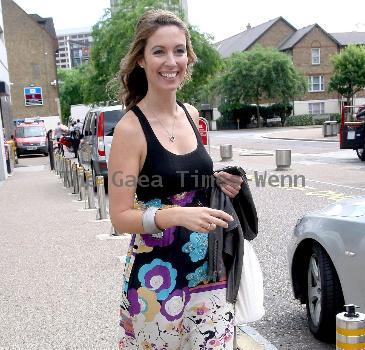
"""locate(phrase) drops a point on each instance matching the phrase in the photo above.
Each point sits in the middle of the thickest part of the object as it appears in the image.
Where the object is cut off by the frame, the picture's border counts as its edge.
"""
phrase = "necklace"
(171, 135)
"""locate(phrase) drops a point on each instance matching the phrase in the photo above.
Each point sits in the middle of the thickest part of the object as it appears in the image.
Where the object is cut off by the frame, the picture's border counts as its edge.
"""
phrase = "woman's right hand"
(202, 219)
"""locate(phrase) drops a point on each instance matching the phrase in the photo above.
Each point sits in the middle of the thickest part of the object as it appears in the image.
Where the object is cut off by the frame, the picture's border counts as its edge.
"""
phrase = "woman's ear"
(141, 63)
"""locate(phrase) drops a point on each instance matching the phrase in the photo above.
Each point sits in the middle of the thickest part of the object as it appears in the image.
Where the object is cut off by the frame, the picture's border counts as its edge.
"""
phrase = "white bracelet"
(148, 221)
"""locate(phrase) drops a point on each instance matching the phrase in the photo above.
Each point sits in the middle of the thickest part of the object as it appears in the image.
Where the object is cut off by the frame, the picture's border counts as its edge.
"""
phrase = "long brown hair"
(133, 78)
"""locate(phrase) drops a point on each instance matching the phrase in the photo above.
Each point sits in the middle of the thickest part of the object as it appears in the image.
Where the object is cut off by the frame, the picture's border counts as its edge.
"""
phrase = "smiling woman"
(169, 300)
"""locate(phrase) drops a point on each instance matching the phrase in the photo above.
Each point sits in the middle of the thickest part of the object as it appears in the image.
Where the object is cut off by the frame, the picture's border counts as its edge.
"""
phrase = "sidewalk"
(304, 133)
(60, 271)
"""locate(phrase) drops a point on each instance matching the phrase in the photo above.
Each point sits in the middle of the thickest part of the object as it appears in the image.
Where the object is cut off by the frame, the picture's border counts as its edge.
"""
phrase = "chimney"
(248, 26)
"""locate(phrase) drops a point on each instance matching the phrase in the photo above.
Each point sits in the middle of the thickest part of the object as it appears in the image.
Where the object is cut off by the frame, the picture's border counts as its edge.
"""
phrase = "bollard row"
(81, 183)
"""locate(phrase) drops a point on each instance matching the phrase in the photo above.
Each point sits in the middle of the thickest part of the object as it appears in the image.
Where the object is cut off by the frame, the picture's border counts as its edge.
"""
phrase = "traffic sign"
(203, 130)
(33, 96)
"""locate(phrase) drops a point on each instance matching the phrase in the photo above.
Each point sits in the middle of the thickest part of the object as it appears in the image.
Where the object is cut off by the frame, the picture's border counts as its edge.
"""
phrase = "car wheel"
(360, 153)
(325, 299)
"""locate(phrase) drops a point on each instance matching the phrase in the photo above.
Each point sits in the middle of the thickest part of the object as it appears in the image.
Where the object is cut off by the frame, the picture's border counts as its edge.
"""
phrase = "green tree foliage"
(111, 39)
(71, 89)
(260, 74)
(348, 72)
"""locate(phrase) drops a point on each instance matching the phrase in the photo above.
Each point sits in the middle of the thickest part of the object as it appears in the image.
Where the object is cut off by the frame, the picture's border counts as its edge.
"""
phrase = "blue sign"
(33, 96)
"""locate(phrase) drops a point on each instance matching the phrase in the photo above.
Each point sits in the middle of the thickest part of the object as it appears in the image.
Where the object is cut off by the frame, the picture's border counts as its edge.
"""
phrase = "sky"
(216, 17)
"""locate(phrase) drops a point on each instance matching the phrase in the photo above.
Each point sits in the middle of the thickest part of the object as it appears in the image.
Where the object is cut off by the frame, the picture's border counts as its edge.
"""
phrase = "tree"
(112, 37)
(71, 89)
(348, 72)
(258, 74)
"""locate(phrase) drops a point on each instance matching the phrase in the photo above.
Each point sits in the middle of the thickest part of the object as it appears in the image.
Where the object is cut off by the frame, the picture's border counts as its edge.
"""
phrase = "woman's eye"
(158, 52)
(180, 51)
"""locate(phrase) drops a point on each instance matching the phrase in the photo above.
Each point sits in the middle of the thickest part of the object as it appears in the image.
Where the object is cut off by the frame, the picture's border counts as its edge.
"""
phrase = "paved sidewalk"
(305, 133)
(61, 271)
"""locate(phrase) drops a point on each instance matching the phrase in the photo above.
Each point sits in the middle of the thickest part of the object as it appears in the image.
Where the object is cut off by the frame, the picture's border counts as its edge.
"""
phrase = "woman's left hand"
(229, 184)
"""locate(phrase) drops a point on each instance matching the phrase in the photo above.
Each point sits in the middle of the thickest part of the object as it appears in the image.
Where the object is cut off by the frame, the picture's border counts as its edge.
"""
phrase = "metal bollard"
(226, 152)
(55, 163)
(65, 180)
(350, 329)
(283, 159)
(61, 166)
(90, 189)
(101, 213)
(75, 180)
(68, 173)
(80, 176)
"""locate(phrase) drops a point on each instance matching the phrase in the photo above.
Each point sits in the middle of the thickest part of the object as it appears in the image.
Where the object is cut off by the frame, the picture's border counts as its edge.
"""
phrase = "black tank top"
(165, 173)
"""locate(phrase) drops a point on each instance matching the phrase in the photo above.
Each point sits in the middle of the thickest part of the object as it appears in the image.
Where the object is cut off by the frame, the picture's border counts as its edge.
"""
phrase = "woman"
(168, 300)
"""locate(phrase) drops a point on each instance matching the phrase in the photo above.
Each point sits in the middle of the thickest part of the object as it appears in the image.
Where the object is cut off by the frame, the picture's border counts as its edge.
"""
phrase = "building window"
(315, 83)
(316, 56)
(316, 108)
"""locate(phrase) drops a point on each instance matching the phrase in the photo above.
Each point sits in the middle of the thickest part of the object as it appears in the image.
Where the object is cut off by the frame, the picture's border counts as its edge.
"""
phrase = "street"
(330, 174)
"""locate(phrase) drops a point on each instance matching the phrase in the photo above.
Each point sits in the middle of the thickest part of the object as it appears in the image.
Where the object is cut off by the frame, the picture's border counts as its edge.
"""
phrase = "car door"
(84, 143)
(111, 118)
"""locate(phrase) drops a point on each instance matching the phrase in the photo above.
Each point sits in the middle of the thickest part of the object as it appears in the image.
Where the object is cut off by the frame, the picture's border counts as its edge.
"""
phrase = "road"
(330, 174)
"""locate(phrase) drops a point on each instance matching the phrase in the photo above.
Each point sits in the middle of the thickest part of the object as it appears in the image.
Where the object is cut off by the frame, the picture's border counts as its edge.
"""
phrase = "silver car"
(327, 262)
(96, 138)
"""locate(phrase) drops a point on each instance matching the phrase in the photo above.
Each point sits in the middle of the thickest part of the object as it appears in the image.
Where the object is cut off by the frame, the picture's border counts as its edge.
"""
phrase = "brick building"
(31, 45)
(311, 48)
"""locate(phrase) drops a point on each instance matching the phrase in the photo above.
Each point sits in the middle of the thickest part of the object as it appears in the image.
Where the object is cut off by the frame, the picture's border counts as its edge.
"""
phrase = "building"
(74, 47)
(5, 116)
(31, 45)
(172, 5)
(311, 48)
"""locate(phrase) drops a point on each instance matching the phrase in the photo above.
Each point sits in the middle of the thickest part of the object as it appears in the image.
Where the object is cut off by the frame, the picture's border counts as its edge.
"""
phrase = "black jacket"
(226, 245)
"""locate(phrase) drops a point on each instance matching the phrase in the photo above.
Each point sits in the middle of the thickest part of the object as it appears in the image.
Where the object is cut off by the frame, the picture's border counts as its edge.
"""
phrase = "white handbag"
(249, 306)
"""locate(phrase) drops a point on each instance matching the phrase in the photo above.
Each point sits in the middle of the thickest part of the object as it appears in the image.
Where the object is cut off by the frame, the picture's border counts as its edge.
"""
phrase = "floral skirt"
(168, 301)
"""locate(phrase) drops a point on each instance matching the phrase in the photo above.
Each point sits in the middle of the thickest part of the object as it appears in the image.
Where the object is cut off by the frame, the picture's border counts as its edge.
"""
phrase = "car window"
(93, 123)
(111, 118)
(87, 125)
(30, 131)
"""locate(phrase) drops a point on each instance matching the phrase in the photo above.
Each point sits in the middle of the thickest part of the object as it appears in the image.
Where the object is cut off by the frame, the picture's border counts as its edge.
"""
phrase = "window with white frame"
(316, 56)
(315, 83)
(316, 108)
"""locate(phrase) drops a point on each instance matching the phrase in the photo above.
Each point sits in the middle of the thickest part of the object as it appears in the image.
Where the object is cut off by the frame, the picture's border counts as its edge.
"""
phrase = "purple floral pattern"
(173, 307)
(158, 276)
(164, 241)
(183, 199)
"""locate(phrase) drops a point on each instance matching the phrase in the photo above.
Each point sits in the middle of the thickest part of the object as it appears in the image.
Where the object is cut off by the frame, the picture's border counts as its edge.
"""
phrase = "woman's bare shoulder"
(193, 112)
(128, 126)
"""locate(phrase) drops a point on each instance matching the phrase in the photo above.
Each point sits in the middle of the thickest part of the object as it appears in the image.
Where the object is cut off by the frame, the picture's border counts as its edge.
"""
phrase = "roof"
(300, 34)
(46, 23)
(242, 41)
(350, 38)
(295, 37)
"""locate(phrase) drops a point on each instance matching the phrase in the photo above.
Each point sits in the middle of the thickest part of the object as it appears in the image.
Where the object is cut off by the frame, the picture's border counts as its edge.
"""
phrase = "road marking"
(333, 184)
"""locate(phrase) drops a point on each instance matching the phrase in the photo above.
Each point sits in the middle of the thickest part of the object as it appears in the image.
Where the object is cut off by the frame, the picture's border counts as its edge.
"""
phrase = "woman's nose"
(170, 59)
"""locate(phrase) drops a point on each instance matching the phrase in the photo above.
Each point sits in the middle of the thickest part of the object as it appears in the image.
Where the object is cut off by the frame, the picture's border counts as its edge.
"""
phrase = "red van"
(30, 137)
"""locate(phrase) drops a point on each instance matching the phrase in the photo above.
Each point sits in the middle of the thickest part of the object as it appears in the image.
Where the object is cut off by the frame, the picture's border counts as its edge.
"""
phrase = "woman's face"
(165, 58)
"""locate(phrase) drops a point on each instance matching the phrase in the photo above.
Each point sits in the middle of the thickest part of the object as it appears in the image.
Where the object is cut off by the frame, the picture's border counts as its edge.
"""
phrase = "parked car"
(31, 137)
(96, 139)
(327, 261)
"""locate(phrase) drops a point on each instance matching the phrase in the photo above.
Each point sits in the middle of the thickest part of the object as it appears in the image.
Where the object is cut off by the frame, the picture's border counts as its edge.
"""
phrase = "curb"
(249, 339)
(297, 138)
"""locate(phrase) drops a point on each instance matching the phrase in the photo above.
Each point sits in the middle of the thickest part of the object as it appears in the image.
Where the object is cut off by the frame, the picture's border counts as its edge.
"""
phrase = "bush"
(299, 120)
